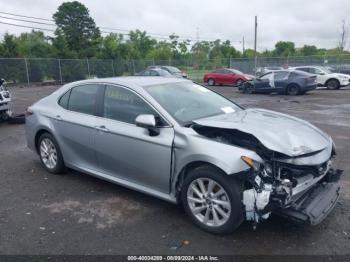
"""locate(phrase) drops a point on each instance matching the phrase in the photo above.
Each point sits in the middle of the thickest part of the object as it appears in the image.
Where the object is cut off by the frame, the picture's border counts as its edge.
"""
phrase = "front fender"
(192, 147)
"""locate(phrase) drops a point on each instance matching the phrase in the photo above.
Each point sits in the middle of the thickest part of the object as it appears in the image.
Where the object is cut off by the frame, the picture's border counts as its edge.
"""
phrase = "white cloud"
(300, 21)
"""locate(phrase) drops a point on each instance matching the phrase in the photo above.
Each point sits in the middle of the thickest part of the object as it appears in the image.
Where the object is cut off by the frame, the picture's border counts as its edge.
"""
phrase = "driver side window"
(124, 105)
(267, 76)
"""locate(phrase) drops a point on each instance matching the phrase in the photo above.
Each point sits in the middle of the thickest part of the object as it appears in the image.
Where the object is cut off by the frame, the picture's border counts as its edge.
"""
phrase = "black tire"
(233, 189)
(17, 119)
(59, 168)
(211, 82)
(332, 84)
(248, 89)
(293, 90)
(4, 117)
(239, 82)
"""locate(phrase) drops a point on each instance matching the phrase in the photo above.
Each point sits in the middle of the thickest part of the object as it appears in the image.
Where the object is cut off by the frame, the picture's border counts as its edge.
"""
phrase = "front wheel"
(239, 82)
(212, 200)
(333, 84)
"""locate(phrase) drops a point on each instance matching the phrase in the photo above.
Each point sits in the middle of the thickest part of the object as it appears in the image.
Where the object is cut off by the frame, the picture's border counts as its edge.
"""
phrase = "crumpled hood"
(276, 131)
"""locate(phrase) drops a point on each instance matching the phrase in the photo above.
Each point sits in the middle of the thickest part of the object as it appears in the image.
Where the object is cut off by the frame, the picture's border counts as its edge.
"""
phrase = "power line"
(44, 19)
(27, 21)
(154, 35)
(31, 27)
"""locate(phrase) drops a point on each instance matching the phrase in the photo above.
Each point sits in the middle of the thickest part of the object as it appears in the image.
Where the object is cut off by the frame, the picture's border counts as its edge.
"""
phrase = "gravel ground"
(75, 213)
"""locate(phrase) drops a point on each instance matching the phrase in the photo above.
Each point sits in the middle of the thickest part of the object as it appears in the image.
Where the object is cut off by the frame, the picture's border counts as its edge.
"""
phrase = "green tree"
(60, 48)
(34, 44)
(140, 44)
(162, 51)
(78, 27)
(10, 46)
(250, 53)
(307, 50)
(284, 48)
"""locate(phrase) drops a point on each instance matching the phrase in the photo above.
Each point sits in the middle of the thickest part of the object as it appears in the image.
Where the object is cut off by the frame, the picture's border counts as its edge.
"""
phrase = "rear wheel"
(293, 90)
(50, 154)
(212, 200)
(211, 82)
(333, 84)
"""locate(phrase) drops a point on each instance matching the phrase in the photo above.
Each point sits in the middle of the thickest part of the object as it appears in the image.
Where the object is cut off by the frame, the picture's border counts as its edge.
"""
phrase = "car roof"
(308, 66)
(132, 81)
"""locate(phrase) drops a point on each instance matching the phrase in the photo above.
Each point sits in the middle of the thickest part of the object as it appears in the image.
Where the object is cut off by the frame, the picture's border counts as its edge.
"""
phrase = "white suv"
(325, 77)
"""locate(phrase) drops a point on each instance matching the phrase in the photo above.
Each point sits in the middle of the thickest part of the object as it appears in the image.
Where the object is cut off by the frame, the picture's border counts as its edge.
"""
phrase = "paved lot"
(78, 214)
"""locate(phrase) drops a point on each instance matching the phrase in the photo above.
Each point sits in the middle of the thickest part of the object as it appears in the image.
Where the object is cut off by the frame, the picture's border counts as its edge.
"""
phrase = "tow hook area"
(311, 205)
(256, 199)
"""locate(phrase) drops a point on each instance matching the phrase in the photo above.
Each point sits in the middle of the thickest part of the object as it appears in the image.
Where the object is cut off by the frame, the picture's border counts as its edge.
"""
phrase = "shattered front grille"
(292, 171)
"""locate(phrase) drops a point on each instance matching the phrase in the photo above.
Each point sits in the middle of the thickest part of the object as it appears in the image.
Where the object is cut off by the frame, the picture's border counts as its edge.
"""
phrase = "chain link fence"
(42, 71)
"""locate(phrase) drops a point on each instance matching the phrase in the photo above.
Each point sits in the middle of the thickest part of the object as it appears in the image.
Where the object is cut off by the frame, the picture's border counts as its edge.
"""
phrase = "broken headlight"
(252, 163)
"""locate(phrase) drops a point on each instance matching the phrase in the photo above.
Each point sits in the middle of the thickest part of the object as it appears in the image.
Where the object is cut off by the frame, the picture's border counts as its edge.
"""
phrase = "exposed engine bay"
(302, 192)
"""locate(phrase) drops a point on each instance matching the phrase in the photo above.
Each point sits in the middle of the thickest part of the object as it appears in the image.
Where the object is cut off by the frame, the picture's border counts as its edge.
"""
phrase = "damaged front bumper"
(308, 198)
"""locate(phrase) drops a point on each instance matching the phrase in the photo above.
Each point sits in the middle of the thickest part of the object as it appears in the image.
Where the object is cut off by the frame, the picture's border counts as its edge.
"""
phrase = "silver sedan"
(181, 142)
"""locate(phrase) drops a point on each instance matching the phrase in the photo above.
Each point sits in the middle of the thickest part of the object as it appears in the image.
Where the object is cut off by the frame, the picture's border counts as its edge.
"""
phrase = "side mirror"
(148, 122)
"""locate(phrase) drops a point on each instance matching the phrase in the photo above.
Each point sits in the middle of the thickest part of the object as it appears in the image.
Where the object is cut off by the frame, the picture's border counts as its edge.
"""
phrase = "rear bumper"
(314, 205)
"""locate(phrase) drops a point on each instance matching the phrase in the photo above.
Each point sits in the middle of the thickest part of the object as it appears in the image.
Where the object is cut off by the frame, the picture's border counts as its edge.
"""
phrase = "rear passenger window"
(64, 100)
(82, 99)
(281, 76)
(305, 69)
(123, 105)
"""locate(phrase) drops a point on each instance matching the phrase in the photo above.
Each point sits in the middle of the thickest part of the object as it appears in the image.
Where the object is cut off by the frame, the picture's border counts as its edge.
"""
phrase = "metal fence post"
(25, 62)
(113, 72)
(133, 66)
(88, 66)
(60, 71)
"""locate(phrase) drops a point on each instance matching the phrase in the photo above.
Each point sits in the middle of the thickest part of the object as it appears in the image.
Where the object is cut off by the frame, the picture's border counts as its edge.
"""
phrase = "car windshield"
(186, 101)
(164, 73)
(237, 72)
(173, 69)
(325, 69)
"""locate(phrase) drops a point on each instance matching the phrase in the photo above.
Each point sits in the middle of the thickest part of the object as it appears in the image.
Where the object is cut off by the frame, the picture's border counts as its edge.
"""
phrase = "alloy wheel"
(208, 202)
(48, 153)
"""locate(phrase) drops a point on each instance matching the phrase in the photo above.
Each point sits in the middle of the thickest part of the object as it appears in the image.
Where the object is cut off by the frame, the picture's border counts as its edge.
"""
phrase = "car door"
(74, 125)
(126, 151)
(262, 84)
(230, 77)
(321, 76)
(281, 79)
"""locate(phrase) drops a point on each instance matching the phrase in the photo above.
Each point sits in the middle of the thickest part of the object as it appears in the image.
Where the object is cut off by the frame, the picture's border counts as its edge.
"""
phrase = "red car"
(226, 76)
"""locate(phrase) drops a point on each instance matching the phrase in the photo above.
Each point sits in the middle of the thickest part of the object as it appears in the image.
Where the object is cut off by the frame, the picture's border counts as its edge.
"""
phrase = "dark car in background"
(171, 70)
(226, 76)
(284, 82)
(154, 72)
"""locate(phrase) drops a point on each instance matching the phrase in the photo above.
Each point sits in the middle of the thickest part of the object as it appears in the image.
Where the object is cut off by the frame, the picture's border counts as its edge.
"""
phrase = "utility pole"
(243, 49)
(197, 34)
(255, 37)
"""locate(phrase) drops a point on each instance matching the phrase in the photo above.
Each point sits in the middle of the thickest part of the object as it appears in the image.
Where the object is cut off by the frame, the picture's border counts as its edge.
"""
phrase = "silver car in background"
(181, 142)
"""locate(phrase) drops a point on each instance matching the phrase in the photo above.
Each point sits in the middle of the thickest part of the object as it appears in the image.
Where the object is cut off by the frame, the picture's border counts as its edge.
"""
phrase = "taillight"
(29, 111)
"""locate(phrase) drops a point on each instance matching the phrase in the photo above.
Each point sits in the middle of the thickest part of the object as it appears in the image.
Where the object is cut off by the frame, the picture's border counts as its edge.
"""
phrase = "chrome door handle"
(102, 128)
